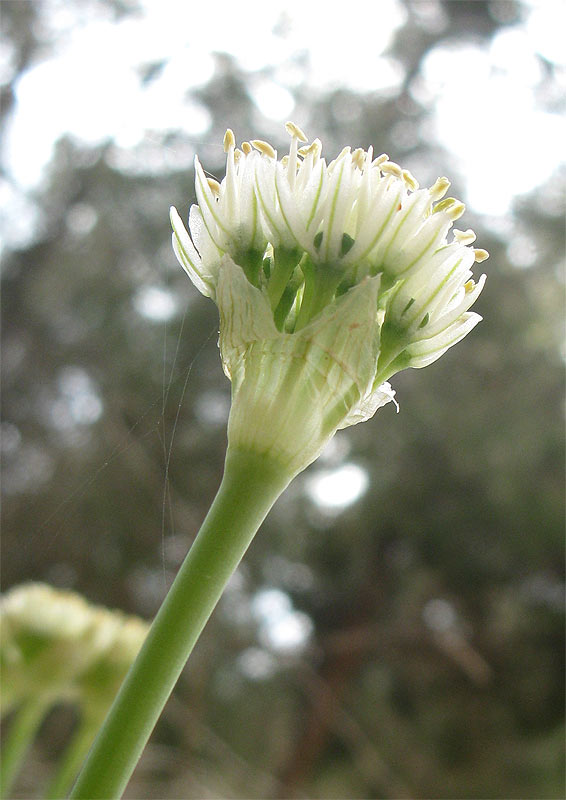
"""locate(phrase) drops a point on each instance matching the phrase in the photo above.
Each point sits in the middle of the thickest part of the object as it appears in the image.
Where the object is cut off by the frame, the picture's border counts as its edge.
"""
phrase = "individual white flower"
(226, 220)
(292, 192)
(329, 278)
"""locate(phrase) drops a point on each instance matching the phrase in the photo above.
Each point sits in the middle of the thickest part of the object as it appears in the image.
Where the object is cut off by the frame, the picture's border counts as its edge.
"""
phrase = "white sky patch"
(486, 113)
(155, 303)
(545, 28)
(90, 86)
(334, 490)
(78, 402)
(257, 664)
(273, 100)
(281, 627)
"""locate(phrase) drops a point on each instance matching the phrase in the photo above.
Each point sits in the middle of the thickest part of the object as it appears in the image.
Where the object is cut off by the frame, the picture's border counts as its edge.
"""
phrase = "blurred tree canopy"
(428, 614)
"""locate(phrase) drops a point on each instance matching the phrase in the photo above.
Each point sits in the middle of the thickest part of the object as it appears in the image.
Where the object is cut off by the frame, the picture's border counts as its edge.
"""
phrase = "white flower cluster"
(56, 645)
(354, 217)
(296, 249)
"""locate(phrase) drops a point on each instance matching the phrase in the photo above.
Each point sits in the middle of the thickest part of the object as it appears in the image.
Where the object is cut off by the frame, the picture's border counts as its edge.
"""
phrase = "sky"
(487, 101)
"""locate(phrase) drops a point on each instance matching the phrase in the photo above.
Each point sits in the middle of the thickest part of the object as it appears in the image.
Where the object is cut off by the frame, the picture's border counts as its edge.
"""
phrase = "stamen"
(464, 237)
(410, 181)
(229, 140)
(469, 286)
(439, 188)
(264, 147)
(246, 148)
(314, 148)
(480, 255)
(358, 157)
(454, 208)
(456, 211)
(380, 160)
(342, 154)
(237, 155)
(214, 185)
(294, 130)
(391, 168)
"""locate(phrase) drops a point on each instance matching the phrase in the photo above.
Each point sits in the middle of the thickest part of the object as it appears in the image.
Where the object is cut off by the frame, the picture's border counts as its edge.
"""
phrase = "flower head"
(56, 645)
(329, 279)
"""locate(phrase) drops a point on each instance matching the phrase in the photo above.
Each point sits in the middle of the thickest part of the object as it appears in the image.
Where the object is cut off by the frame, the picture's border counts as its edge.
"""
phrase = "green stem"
(73, 757)
(250, 486)
(22, 732)
(284, 262)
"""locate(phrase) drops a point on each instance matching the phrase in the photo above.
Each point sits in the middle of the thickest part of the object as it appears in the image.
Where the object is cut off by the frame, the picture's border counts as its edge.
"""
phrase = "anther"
(480, 255)
(469, 286)
(377, 162)
(456, 211)
(214, 185)
(246, 148)
(229, 140)
(264, 147)
(391, 168)
(358, 157)
(294, 130)
(439, 188)
(464, 237)
(314, 148)
(410, 180)
(451, 206)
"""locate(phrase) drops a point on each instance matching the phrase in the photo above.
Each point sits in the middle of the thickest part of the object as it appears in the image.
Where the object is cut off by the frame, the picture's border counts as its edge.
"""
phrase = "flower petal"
(188, 257)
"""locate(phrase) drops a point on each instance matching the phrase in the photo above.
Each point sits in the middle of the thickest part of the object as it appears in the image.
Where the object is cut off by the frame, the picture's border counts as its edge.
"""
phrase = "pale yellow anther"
(229, 140)
(285, 160)
(246, 148)
(439, 188)
(469, 286)
(480, 255)
(264, 147)
(294, 130)
(314, 148)
(214, 185)
(237, 155)
(464, 237)
(454, 208)
(358, 157)
(391, 168)
(456, 211)
(410, 180)
(377, 162)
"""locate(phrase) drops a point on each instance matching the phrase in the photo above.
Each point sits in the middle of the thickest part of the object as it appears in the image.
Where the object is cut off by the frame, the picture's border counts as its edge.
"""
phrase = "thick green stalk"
(73, 758)
(250, 486)
(20, 736)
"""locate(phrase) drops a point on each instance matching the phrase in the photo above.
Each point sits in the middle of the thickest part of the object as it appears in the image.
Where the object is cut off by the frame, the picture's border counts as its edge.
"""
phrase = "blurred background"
(396, 629)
